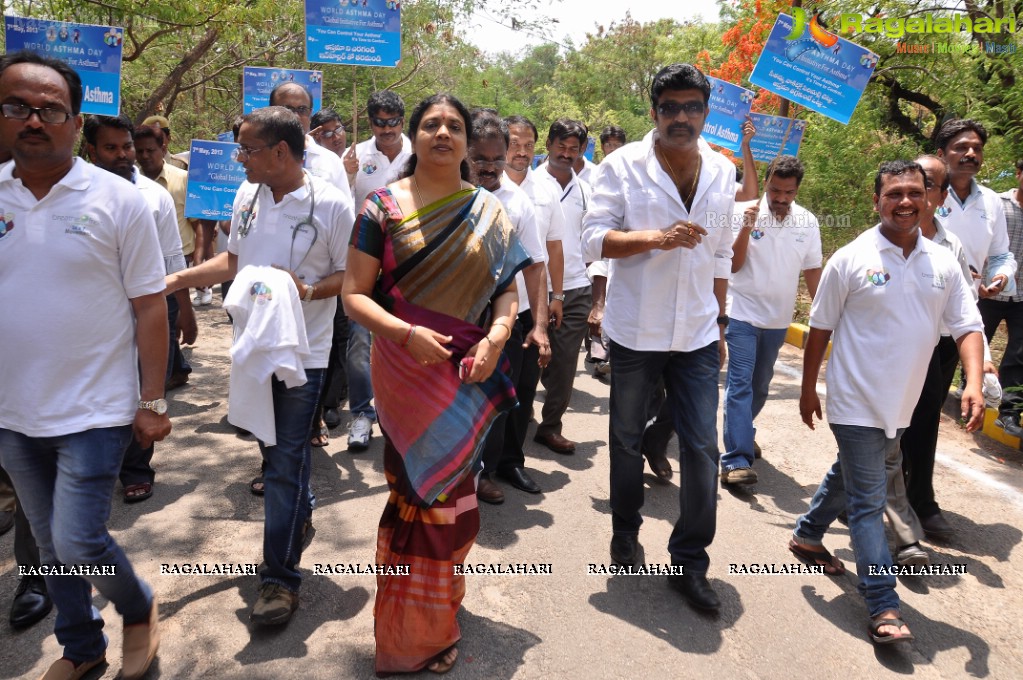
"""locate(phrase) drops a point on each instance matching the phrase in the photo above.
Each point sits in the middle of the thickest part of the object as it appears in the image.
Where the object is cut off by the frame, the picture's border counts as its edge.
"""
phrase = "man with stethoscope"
(286, 218)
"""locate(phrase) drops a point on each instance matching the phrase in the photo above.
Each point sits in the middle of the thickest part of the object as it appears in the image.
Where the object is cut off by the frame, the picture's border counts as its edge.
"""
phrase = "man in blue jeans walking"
(290, 219)
(73, 376)
(653, 214)
(778, 239)
(885, 297)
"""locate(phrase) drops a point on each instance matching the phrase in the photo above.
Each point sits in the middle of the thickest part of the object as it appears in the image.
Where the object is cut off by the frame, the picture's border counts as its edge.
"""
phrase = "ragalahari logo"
(819, 36)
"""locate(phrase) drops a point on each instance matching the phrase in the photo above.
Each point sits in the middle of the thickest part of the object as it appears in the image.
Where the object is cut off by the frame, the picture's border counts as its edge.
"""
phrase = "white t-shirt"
(375, 169)
(325, 164)
(763, 292)
(70, 265)
(981, 228)
(162, 206)
(886, 311)
(662, 300)
(520, 212)
(270, 242)
(574, 200)
(586, 174)
(269, 339)
(550, 218)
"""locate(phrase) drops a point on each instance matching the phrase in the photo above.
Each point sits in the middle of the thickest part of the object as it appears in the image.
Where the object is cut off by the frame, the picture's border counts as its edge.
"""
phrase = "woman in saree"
(431, 273)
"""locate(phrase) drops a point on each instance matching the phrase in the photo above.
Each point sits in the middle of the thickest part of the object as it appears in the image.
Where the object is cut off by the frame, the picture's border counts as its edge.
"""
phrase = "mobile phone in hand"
(464, 368)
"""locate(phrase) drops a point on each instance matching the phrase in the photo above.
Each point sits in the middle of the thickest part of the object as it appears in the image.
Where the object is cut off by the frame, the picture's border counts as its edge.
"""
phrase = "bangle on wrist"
(502, 324)
(493, 344)
(411, 334)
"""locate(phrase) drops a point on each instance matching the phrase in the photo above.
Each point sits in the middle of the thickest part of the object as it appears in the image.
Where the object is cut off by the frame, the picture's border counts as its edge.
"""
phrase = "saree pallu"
(440, 267)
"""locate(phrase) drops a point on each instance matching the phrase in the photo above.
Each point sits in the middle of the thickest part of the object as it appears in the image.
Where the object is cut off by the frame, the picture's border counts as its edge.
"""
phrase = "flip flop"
(254, 482)
(889, 639)
(832, 565)
(442, 665)
(320, 439)
(130, 495)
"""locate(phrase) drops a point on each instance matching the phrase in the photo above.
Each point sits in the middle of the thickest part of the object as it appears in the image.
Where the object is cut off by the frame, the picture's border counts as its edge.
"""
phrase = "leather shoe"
(140, 643)
(518, 478)
(696, 589)
(937, 527)
(625, 550)
(31, 602)
(488, 492)
(555, 442)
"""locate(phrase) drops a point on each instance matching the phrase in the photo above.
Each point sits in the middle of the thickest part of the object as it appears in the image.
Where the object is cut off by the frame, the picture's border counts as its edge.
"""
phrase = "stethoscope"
(300, 227)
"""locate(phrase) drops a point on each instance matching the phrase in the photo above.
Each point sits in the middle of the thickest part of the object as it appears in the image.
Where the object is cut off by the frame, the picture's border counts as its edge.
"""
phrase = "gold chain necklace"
(415, 185)
(688, 200)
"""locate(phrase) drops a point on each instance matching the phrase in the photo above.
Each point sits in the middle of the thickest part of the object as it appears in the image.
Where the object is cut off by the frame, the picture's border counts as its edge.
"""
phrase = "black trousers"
(1010, 371)
(920, 440)
(498, 455)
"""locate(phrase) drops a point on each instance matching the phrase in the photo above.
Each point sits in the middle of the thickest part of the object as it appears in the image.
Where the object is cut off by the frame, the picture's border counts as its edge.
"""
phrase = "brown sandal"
(820, 558)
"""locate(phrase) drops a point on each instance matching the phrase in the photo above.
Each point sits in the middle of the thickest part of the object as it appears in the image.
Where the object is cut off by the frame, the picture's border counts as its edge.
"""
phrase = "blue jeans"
(64, 485)
(691, 380)
(857, 483)
(287, 500)
(752, 352)
(360, 383)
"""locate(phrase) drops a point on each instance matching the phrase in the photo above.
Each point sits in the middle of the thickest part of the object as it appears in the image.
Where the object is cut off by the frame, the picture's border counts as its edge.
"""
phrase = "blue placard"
(814, 68)
(729, 106)
(776, 136)
(227, 136)
(259, 81)
(214, 175)
(357, 32)
(94, 52)
(591, 146)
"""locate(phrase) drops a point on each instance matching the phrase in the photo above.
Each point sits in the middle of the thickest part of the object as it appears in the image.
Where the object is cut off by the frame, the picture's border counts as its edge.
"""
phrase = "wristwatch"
(560, 297)
(723, 320)
(157, 406)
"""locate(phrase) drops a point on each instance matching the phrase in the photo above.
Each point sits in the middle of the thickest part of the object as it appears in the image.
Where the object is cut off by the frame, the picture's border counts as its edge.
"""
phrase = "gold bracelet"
(493, 344)
(506, 327)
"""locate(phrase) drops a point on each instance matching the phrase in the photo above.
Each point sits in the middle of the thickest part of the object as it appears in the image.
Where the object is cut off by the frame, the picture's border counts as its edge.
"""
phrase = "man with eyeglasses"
(80, 378)
(283, 216)
(487, 154)
(656, 214)
(318, 160)
(370, 165)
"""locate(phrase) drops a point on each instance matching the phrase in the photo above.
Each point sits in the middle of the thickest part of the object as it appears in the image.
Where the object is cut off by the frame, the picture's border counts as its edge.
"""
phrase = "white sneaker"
(359, 432)
(207, 296)
(197, 298)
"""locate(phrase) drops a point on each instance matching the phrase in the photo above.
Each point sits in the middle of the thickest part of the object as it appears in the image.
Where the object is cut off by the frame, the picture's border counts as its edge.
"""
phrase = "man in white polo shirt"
(885, 297)
(487, 153)
(285, 217)
(778, 239)
(109, 143)
(664, 313)
(74, 350)
(319, 161)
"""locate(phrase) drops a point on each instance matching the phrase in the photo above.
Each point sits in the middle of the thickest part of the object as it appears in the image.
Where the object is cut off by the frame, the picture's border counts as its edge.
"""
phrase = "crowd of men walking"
(656, 261)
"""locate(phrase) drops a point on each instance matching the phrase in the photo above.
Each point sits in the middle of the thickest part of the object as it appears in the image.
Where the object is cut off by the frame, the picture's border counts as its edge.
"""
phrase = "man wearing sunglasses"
(370, 165)
(656, 213)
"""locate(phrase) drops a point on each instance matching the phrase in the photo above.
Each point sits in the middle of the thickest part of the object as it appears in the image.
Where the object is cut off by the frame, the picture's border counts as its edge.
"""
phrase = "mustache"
(25, 134)
(675, 127)
(964, 161)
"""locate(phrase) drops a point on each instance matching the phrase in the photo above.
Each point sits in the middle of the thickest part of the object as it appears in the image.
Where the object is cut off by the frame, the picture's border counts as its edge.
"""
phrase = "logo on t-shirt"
(6, 223)
(942, 211)
(757, 233)
(878, 277)
(369, 168)
(260, 293)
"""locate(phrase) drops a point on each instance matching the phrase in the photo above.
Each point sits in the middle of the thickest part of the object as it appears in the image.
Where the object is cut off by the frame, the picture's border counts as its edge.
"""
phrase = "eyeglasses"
(386, 122)
(327, 134)
(247, 151)
(672, 109)
(299, 110)
(483, 161)
(22, 112)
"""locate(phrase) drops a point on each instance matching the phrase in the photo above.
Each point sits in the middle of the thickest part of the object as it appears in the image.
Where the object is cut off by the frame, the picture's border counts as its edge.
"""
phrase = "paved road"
(567, 624)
